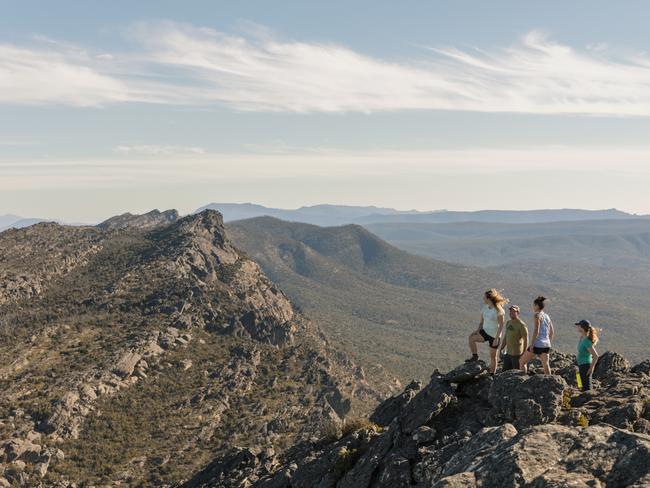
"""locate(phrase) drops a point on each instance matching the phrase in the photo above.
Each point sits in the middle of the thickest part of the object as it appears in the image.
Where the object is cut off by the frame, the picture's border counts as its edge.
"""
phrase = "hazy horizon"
(295, 208)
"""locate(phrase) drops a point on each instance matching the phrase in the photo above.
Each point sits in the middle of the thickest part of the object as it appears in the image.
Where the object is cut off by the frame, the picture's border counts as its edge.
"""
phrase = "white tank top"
(490, 323)
(543, 338)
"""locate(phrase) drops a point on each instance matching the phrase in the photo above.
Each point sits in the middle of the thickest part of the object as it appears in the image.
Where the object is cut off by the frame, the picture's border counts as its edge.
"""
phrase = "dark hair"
(540, 301)
(591, 332)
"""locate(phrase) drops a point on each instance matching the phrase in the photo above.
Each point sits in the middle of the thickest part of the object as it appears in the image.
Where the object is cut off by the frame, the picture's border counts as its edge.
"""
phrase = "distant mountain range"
(330, 215)
(14, 221)
(333, 215)
(622, 242)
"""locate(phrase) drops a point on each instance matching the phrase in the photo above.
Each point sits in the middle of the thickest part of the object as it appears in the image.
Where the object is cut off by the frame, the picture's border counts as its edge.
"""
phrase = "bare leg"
(547, 368)
(493, 360)
(474, 338)
(527, 356)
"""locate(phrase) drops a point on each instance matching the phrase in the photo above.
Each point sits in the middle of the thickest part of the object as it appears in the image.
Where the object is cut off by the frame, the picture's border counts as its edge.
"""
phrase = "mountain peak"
(148, 220)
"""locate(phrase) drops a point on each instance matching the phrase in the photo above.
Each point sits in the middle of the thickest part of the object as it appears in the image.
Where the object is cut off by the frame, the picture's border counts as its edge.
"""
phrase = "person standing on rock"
(542, 337)
(490, 326)
(587, 355)
(515, 340)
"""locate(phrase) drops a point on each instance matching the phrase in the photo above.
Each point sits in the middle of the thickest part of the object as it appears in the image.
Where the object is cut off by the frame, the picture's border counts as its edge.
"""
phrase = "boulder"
(526, 400)
(642, 368)
(395, 471)
(22, 449)
(125, 366)
(364, 469)
(390, 408)
(559, 456)
(426, 404)
(424, 435)
(609, 364)
(466, 372)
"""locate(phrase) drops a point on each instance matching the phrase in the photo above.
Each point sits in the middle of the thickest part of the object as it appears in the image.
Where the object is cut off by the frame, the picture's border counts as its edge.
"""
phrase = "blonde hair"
(497, 299)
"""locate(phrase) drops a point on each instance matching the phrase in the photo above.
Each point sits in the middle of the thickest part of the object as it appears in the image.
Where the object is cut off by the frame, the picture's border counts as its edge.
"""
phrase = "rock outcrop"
(149, 220)
(468, 429)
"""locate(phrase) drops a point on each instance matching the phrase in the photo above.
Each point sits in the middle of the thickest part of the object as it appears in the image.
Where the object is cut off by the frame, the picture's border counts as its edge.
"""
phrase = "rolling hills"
(408, 312)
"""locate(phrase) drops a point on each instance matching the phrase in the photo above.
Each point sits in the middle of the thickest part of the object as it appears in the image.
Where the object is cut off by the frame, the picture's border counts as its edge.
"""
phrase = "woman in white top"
(542, 337)
(490, 327)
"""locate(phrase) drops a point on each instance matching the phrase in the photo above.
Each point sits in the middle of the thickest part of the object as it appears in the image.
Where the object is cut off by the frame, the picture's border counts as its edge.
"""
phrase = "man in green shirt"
(515, 339)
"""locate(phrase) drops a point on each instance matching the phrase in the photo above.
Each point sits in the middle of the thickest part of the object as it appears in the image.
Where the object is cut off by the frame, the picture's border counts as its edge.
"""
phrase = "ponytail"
(592, 335)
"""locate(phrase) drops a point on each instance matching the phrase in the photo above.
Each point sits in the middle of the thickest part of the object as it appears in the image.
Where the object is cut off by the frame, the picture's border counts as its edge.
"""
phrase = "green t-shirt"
(516, 332)
(584, 356)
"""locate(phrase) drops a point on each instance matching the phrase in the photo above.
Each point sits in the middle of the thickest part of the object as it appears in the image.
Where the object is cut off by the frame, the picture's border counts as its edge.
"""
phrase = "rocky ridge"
(467, 429)
(216, 350)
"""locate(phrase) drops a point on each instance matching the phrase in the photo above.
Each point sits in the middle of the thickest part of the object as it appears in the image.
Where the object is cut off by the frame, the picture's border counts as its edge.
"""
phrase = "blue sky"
(117, 106)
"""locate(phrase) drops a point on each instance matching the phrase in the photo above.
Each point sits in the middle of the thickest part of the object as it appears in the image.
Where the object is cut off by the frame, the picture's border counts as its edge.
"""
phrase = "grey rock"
(609, 364)
(391, 407)
(424, 434)
(126, 364)
(466, 372)
(364, 469)
(22, 449)
(426, 404)
(554, 455)
(642, 368)
(460, 480)
(396, 471)
(526, 400)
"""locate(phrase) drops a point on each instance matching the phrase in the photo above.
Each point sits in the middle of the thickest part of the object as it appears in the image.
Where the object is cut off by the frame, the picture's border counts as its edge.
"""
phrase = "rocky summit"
(468, 429)
(134, 352)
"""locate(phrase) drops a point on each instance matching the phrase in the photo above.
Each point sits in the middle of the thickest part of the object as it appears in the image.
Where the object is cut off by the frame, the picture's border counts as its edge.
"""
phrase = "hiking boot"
(473, 359)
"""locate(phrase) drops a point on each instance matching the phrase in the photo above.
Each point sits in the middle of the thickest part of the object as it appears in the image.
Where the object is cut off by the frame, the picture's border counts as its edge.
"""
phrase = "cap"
(514, 307)
(584, 323)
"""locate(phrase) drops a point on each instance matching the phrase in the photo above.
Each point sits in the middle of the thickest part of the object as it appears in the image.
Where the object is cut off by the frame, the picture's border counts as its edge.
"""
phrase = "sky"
(109, 107)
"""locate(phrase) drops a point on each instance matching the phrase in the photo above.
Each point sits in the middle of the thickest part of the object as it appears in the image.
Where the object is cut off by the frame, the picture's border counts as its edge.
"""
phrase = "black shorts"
(510, 362)
(541, 350)
(494, 343)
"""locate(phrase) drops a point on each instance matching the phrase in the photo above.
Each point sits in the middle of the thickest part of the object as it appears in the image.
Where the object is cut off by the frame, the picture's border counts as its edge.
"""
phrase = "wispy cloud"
(55, 76)
(158, 150)
(184, 64)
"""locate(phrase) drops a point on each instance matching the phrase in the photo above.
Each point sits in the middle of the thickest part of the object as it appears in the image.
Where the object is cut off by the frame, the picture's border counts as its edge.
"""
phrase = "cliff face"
(131, 352)
(467, 429)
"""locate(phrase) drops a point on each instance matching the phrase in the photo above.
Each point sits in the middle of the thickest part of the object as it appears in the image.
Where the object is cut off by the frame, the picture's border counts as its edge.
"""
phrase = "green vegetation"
(385, 307)
(410, 314)
(346, 460)
(598, 269)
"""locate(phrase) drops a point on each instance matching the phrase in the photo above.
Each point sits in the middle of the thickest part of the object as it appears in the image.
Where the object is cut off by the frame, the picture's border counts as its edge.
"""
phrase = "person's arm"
(551, 330)
(524, 336)
(501, 319)
(502, 344)
(536, 330)
(593, 352)
(480, 324)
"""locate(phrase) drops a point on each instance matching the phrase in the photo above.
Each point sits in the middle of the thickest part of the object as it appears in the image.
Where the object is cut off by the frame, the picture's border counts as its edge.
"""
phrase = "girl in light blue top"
(541, 338)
